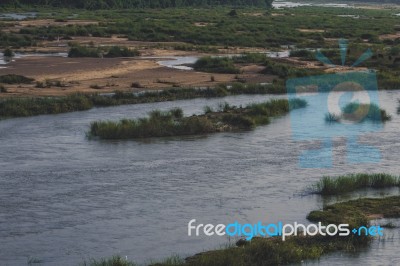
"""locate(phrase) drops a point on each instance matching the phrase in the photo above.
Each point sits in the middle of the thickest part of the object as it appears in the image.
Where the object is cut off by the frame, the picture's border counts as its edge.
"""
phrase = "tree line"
(104, 4)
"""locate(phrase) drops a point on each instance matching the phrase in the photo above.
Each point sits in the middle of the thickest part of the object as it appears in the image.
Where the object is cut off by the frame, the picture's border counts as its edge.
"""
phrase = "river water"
(64, 198)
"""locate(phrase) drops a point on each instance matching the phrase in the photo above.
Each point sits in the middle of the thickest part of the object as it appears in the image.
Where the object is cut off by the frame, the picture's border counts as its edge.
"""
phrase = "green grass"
(357, 212)
(348, 183)
(109, 52)
(363, 112)
(16, 107)
(172, 122)
(359, 112)
(8, 52)
(113, 261)
(216, 65)
(15, 79)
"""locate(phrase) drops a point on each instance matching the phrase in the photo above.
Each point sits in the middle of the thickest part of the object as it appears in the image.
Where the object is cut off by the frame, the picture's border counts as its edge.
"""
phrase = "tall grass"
(13, 107)
(348, 183)
(172, 122)
(113, 261)
(15, 79)
(362, 112)
(359, 112)
(216, 65)
(19, 107)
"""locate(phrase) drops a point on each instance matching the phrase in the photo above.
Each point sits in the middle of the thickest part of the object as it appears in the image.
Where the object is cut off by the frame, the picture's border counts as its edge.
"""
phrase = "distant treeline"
(103, 4)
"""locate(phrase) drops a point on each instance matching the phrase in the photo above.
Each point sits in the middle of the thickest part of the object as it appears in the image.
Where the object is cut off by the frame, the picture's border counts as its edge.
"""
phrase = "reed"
(348, 183)
(173, 123)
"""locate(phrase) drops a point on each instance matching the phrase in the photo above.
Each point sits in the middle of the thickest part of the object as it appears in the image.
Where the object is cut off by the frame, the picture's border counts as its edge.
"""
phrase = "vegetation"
(37, 106)
(357, 212)
(15, 79)
(16, 107)
(348, 183)
(113, 261)
(297, 249)
(359, 112)
(3, 89)
(8, 52)
(245, 29)
(216, 65)
(172, 122)
(100, 4)
(113, 51)
(285, 70)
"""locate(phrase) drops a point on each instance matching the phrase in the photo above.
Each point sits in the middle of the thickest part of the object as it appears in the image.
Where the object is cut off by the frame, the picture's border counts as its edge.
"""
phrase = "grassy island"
(172, 122)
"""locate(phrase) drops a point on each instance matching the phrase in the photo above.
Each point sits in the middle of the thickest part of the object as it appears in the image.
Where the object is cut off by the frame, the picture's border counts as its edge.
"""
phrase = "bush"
(116, 51)
(216, 65)
(15, 79)
(3, 89)
(81, 51)
(8, 52)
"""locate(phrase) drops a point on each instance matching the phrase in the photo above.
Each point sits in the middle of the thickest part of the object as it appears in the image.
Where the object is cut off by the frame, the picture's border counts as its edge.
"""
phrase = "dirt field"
(110, 74)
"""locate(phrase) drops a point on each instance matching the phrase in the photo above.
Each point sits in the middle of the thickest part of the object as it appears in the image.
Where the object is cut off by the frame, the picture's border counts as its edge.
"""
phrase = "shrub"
(15, 79)
(216, 65)
(81, 51)
(347, 183)
(3, 89)
(8, 52)
(116, 51)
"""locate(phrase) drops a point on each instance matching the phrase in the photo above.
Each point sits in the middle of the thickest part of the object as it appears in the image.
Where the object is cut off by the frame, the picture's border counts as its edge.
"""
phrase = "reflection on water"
(64, 198)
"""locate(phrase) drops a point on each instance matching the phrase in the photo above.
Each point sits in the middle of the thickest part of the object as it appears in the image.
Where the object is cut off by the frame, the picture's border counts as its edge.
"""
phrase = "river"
(64, 198)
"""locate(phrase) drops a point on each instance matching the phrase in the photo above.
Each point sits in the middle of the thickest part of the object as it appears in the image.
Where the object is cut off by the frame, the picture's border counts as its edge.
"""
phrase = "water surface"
(64, 198)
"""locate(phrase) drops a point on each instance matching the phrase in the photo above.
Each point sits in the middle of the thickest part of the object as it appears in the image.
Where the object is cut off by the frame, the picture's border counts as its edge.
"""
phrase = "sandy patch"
(311, 30)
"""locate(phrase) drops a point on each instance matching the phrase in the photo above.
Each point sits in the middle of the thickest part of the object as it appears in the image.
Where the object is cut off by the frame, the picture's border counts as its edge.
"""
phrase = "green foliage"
(82, 51)
(16, 107)
(113, 261)
(113, 51)
(216, 65)
(120, 98)
(348, 183)
(172, 122)
(3, 89)
(285, 71)
(15, 79)
(116, 51)
(364, 112)
(102, 4)
(8, 52)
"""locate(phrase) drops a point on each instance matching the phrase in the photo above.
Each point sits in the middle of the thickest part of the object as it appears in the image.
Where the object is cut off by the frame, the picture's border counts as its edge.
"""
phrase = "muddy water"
(64, 198)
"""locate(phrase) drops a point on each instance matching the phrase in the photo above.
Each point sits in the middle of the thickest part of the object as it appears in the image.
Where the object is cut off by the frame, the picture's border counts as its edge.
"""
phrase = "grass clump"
(15, 79)
(20, 107)
(8, 52)
(362, 112)
(216, 65)
(357, 212)
(113, 261)
(82, 51)
(109, 52)
(348, 183)
(359, 112)
(172, 122)
(116, 51)
(3, 89)
(332, 118)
